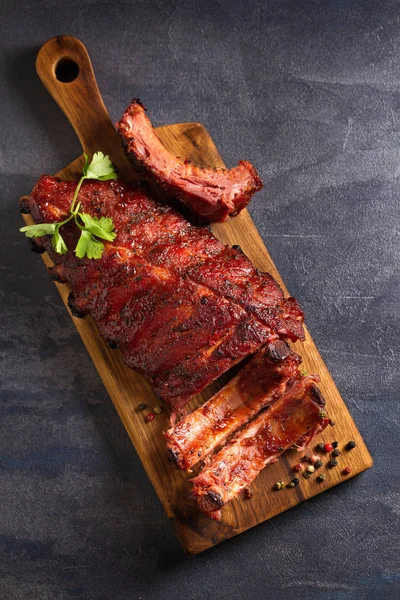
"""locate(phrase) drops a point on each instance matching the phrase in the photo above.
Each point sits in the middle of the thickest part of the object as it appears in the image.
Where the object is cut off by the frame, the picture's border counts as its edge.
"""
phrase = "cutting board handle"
(66, 71)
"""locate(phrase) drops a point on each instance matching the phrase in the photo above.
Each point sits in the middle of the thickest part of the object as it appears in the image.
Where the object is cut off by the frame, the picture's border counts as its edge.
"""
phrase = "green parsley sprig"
(92, 228)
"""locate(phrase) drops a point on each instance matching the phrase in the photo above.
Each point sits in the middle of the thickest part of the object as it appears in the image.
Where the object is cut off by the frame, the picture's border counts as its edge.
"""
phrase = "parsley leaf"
(88, 246)
(39, 230)
(102, 228)
(86, 165)
(57, 241)
(101, 168)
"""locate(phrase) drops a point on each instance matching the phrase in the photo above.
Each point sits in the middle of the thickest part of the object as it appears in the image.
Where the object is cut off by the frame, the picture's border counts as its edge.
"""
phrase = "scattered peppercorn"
(248, 493)
(310, 468)
(142, 406)
(314, 459)
(279, 485)
(351, 445)
(335, 445)
(333, 463)
(328, 447)
(306, 475)
(346, 471)
(291, 484)
(336, 452)
(322, 414)
(318, 464)
(307, 457)
(296, 481)
(298, 467)
(149, 417)
(320, 447)
(321, 477)
(157, 409)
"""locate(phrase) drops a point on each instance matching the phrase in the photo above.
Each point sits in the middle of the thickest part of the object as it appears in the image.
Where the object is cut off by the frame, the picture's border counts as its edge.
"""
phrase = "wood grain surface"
(81, 102)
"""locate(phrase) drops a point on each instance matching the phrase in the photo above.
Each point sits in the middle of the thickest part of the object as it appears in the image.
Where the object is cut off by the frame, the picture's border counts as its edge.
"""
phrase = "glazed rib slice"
(271, 374)
(233, 468)
(149, 293)
(210, 194)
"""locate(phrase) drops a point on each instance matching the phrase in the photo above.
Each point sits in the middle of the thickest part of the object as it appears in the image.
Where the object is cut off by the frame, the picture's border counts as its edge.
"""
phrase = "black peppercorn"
(335, 444)
(336, 452)
(333, 463)
(320, 447)
(321, 477)
(296, 481)
(142, 406)
(318, 464)
(351, 445)
(306, 475)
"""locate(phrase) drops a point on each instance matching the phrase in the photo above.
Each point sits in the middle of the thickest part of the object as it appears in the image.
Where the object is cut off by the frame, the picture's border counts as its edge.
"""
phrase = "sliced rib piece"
(233, 468)
(149, 293)
(271, 374)
(210, 194)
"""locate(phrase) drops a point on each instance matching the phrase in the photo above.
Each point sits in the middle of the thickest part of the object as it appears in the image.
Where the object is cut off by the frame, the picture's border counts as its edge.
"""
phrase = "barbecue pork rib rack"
(182, 307)
(212, 195)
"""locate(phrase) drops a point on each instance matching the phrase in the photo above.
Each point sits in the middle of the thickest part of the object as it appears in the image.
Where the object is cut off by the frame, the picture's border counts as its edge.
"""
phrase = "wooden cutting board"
(65, 69)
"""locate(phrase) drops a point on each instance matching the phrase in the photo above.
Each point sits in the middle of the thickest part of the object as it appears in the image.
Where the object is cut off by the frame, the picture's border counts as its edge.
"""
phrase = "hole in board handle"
(66, 70)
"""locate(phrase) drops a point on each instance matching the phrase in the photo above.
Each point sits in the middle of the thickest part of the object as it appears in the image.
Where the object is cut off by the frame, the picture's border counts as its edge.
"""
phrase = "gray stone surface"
(310, 92)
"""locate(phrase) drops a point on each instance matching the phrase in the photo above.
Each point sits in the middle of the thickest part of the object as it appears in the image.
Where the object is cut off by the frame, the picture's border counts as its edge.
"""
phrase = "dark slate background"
(310, 92)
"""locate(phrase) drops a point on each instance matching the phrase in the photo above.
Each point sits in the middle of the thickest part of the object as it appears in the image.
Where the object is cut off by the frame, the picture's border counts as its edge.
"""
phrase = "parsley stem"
(66, 221)
(78, 187)
(75, 215)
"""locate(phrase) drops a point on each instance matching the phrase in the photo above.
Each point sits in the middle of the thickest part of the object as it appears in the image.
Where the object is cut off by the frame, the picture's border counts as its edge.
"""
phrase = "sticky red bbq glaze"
(270, 374)
(181, 306)
(211, 194)
(233, 468)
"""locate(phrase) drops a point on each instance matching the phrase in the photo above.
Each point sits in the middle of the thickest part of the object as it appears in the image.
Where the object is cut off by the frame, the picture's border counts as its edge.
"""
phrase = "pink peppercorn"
(314, 459)
(328, 447)
(149, 417)
(298, 467)
(346, 471)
